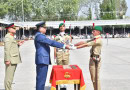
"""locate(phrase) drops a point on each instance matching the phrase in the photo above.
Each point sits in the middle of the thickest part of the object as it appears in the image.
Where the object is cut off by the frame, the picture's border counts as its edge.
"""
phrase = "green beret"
(99, 28)
(61, 24)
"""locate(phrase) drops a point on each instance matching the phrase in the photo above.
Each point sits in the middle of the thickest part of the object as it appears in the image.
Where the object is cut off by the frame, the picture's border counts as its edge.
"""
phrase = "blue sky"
(128, 10)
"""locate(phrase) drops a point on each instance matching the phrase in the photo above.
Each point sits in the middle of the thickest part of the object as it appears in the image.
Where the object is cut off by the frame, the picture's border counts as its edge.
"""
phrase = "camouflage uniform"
(62, 55)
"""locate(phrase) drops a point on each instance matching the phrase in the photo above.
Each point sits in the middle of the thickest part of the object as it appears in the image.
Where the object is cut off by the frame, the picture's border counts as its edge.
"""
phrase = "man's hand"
(79, 43)
(20, 42)
(67, 47)
(7, 63)
(73, 47)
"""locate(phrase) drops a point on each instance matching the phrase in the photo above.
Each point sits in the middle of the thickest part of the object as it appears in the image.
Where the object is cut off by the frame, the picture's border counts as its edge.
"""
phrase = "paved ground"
(115, 69)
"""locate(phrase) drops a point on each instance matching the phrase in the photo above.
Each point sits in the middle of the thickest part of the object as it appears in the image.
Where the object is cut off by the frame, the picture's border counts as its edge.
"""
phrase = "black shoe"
(62, 88)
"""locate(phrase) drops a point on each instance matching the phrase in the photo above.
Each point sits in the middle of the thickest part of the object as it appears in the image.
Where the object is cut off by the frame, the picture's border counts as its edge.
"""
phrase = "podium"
(67, 74)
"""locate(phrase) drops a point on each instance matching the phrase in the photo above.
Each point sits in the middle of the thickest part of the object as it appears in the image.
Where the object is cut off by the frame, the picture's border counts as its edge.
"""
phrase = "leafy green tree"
(3, 8)
(61, 9)
(15, 12)
(89, 14)
(68, 9)
(113, 9)
(123, 8)
(37, 10)
(90, 6)
(107, 9)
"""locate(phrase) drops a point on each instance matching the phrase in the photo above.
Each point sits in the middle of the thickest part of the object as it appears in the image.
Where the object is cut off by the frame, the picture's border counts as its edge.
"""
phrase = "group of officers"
(62, 43)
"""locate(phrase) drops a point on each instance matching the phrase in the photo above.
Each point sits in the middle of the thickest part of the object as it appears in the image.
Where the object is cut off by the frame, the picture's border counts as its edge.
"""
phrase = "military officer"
(42, 56)
(11, 55)
(95, 58)
(62, 55)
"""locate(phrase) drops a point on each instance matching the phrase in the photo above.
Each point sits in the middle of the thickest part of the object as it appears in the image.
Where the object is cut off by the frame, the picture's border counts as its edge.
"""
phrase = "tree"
(50, 10)
(68, 9)
(61, 9)
(37, 10)
(89, 14)
(90, 8)
(113, 9)
(15, 10)
(123, 8)
(107, 9)
(3, 8)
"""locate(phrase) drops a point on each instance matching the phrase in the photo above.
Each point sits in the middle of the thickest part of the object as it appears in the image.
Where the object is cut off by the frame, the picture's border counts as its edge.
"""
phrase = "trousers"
(94, 68)
(9, 75)
(41, 75)
(62, 58)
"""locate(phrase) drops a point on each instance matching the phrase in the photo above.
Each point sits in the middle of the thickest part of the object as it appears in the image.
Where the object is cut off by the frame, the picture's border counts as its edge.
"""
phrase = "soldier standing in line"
(62, 55)
(95, 58)
(11, 55)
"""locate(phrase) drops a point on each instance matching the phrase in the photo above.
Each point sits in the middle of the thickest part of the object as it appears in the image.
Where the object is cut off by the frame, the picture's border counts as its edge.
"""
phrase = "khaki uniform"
(95, 60)
(11, 53)
(62, 56)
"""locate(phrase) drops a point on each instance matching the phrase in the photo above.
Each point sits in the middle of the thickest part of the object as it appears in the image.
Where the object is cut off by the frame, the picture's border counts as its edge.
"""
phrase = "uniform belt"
(93, 55)
(95, 58)
(61, 50)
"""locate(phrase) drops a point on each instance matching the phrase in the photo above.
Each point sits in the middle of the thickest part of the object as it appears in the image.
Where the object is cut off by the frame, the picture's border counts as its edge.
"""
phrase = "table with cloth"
(72, 75)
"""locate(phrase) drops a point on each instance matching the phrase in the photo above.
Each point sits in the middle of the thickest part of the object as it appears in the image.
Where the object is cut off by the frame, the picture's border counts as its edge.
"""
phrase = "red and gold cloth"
(59, 75)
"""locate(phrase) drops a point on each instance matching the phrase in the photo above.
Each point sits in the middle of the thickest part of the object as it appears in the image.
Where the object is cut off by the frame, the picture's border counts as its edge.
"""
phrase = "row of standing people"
(42, 57)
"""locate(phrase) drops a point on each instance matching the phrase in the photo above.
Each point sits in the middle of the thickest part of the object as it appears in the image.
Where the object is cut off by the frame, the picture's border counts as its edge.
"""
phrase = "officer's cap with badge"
(98, 28)
(41, 24)
(61, 24)
(10, 26)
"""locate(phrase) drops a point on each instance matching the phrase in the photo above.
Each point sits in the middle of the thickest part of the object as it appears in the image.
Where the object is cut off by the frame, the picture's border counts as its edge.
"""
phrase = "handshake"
(71, 47)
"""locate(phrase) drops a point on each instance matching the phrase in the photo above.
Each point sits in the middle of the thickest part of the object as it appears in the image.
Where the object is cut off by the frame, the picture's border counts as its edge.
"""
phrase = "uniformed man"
(11, 55)
(42, 56)
(62, 55)
(95, 58)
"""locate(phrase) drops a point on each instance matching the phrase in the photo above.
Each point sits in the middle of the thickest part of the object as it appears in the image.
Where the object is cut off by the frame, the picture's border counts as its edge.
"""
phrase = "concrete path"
(114, 74)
